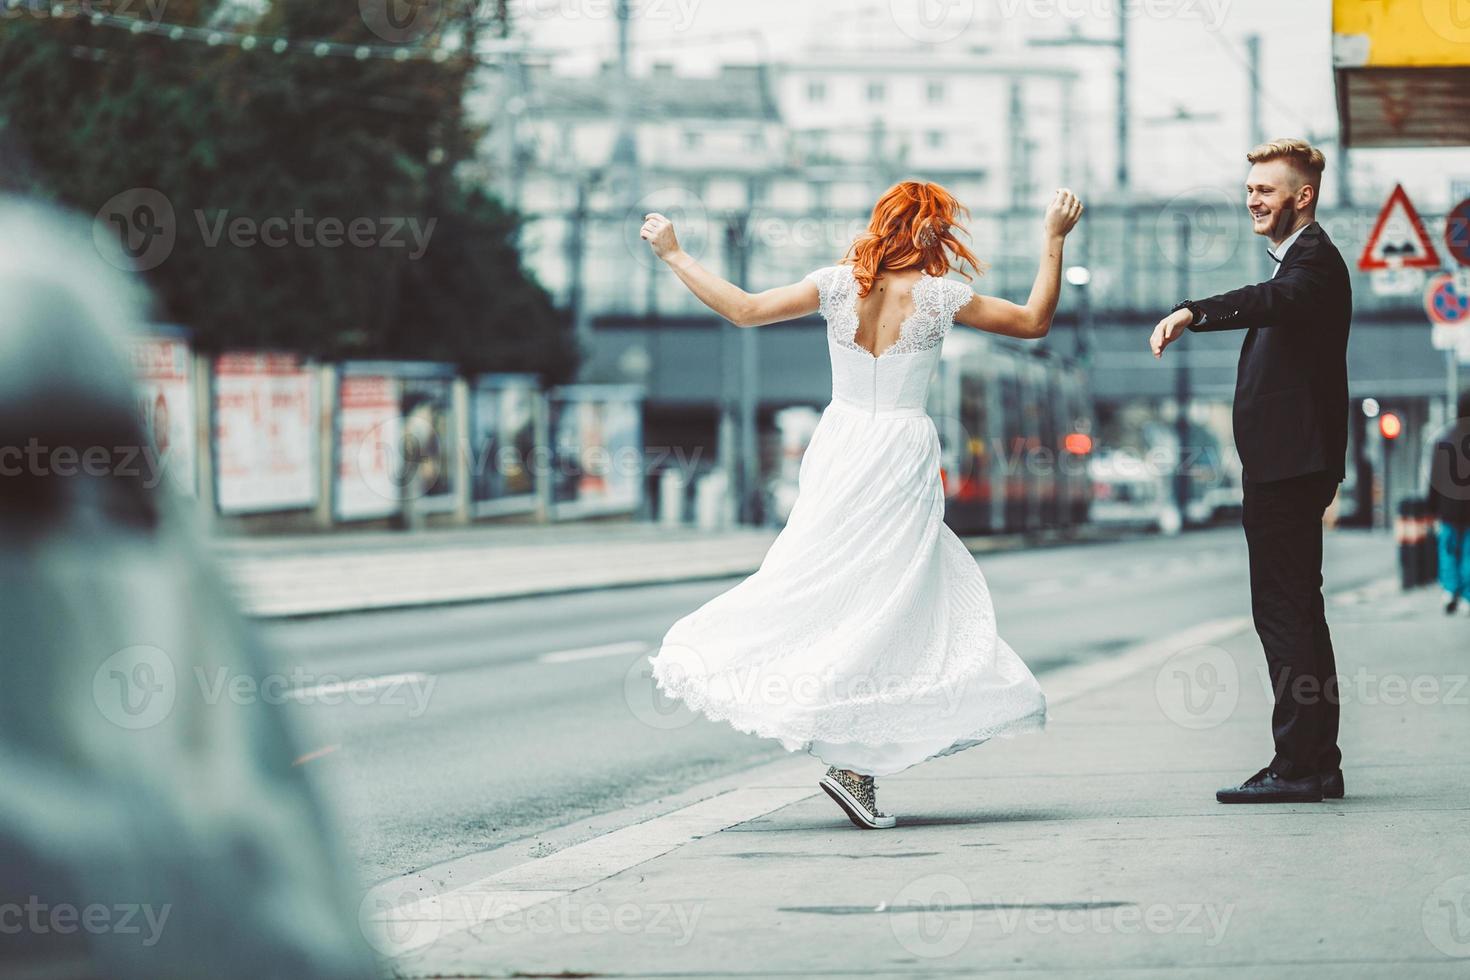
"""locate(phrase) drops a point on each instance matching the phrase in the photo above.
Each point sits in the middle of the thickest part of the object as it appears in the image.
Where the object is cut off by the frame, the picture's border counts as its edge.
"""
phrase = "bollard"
(1428, 545)
(671, 486)
(1406, 532)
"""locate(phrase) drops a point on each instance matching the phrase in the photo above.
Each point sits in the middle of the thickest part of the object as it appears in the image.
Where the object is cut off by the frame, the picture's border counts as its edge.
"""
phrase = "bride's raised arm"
(727, 299)
(1033, 320)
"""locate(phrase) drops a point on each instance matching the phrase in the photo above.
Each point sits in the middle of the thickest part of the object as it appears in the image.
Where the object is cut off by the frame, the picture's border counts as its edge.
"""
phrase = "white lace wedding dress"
(867, 635)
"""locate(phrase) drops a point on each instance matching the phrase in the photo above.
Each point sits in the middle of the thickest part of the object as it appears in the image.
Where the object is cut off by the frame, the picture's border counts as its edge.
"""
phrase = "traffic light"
(1390, 425)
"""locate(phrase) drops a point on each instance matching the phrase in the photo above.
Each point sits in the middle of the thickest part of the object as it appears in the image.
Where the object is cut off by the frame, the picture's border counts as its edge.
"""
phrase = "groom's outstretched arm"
(1292, 294)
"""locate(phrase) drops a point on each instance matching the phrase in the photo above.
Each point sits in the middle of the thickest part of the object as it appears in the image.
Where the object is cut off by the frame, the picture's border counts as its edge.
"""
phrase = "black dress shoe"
(1268, 786)
(1332, 785)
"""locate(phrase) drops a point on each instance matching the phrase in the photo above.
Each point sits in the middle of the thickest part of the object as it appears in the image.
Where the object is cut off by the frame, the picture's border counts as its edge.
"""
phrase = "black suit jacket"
(1291, 390)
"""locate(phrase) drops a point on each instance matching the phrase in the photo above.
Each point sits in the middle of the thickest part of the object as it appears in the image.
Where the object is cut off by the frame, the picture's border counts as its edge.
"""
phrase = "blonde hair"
(1303, 157)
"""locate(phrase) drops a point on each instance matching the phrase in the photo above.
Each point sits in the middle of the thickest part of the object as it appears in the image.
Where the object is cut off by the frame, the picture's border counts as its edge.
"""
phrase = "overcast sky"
(1187, 53)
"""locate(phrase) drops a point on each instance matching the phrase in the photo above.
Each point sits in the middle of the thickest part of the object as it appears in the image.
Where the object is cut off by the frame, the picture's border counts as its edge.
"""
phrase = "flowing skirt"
(867, 636)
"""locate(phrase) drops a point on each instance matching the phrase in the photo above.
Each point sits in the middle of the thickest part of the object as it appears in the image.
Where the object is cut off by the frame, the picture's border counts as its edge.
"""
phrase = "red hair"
(913, 226)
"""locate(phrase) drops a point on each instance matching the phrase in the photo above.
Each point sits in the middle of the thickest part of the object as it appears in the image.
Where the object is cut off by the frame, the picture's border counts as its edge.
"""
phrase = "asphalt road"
(486, 724)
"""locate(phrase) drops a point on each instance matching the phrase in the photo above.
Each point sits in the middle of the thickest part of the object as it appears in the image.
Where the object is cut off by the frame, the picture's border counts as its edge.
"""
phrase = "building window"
(934, 139)
(816, 91)
(693, 139)
(877, 91)
(755, 142)
(935, 93)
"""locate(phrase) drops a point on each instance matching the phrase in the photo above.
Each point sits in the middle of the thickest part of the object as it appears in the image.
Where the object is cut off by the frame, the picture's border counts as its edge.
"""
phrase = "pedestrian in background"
(1449, 502)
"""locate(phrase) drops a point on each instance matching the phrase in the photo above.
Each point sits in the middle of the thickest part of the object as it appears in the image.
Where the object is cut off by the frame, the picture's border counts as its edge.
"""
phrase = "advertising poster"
(502, 442)
(597, 440)
(265, 435)
(369, 447)
(426, 407)
(163, 371)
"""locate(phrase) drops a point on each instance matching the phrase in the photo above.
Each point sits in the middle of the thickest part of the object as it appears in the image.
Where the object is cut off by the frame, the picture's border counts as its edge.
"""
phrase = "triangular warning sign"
(1398, 240)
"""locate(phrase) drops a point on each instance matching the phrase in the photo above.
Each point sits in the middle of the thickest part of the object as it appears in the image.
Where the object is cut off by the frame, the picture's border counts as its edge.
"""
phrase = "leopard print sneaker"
(858, 798)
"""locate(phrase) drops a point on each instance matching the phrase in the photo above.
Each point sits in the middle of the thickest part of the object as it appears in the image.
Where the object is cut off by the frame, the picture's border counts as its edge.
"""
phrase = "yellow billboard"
(1402, 69)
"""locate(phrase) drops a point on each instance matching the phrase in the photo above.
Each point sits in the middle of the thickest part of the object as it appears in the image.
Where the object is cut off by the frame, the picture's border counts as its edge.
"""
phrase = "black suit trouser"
(1283, 532)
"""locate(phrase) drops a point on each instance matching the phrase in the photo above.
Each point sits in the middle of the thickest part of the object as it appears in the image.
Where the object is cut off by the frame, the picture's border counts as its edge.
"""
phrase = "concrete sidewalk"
(307, 575)
(1096, 848)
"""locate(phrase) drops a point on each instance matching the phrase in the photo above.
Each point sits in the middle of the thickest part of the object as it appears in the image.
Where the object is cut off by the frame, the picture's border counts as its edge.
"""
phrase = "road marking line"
(591, 653)
(398, 928)
(354, 686)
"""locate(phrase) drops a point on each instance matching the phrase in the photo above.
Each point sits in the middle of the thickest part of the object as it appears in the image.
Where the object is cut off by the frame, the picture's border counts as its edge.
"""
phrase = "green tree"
(235, 138)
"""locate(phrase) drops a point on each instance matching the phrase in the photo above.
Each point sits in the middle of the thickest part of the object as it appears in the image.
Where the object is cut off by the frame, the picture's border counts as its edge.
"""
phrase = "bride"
(867, 636)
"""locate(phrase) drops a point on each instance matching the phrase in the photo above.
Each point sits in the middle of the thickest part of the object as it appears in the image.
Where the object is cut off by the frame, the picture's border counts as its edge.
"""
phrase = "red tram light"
(1390, 426)
(1078, 443)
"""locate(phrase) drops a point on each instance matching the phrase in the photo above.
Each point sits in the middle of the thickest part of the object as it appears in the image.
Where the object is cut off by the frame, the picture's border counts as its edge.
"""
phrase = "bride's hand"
(1063, 213)
(658, 232)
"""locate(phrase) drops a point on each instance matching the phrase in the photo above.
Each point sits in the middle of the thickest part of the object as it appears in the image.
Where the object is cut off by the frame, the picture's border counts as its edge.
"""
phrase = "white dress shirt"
(1280, 253)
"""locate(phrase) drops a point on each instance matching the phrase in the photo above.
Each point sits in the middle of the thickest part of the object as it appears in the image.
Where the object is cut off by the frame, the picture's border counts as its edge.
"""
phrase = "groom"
(1291, 416)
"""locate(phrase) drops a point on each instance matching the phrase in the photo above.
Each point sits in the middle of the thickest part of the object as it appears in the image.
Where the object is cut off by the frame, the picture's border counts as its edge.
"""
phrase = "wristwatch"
(1193, 307)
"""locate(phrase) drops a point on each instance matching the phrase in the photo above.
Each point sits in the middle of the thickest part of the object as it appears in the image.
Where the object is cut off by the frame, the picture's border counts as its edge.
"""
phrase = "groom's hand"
(1170, 329)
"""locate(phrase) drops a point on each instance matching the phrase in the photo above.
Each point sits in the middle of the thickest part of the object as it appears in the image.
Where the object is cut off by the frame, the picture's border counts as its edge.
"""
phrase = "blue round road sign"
(1444, 303)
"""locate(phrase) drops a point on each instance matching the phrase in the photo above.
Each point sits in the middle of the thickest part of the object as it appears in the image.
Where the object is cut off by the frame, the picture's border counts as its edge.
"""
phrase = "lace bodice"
(935, 303)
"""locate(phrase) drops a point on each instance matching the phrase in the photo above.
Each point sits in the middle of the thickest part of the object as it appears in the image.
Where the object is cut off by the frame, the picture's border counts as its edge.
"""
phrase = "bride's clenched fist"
(1063, 213)
(658, 232)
